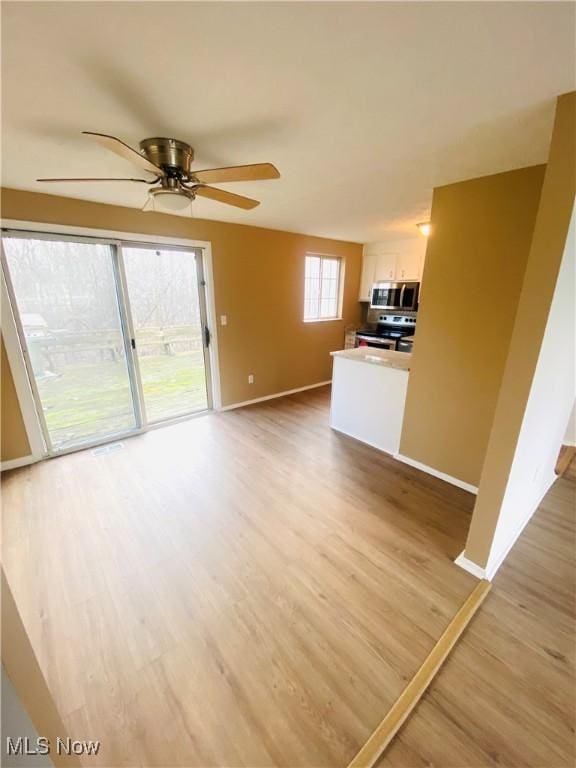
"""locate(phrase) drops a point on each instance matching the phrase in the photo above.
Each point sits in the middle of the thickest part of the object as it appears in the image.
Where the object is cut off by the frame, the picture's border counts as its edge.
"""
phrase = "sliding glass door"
(164, 288)
(67, 302)
(114, 336)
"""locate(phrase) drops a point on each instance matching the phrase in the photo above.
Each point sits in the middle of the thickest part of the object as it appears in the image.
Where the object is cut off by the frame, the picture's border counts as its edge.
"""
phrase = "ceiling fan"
(176, 185)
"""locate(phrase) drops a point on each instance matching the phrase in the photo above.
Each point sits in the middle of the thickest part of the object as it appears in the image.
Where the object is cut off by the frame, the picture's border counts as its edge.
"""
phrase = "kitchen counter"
(368, 395)
(376, 356)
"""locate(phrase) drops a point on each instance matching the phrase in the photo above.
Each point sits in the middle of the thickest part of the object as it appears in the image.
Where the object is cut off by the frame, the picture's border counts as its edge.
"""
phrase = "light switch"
(223, 319)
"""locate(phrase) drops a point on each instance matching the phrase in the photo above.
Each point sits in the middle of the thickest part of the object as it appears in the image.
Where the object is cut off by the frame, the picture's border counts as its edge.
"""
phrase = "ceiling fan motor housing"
(169, 154)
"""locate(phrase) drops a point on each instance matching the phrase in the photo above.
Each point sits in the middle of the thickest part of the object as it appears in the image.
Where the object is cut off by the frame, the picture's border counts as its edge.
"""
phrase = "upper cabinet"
(367, 279)
(409, 266)
(382, 263)
(385, 267)
(376, 267)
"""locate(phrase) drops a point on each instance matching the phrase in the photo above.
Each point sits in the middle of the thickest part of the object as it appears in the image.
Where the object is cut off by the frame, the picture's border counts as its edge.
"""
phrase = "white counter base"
(368, 402)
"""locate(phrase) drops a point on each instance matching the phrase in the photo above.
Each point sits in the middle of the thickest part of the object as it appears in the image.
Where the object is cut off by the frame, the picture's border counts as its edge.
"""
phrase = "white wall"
(570, 434)
(547, 411)
(368, 400)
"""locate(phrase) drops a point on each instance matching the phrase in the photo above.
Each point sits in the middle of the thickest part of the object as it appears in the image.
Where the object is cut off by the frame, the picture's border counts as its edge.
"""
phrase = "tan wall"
(547, 250)
(475, 262)
(13, 440)
(259, 283)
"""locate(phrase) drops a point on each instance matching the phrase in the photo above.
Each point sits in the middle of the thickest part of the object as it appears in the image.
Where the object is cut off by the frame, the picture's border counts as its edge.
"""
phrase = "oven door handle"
(380, 342)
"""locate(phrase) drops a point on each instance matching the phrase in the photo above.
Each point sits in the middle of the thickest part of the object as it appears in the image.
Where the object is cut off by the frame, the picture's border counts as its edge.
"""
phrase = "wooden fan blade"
(226, 197)
(122, 149)
(143, 181)
(258, 172)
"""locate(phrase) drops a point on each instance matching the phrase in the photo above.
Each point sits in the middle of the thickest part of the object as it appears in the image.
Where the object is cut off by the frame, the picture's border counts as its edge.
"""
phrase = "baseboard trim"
(364, 442)
(274, 396)
(491, 568)
(471, 567)
(400, 711)
(435, 473)
(23, 461)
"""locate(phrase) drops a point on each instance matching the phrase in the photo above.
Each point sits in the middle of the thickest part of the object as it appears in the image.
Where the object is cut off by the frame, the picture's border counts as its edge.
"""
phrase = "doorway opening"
(114, 334)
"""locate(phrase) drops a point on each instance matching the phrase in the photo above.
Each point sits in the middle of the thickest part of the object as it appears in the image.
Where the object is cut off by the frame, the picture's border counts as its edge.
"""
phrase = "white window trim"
(341, 274)
(336, 319)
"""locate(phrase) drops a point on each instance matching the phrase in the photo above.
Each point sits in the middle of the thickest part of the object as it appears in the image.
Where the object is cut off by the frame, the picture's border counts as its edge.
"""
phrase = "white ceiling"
(364, 107)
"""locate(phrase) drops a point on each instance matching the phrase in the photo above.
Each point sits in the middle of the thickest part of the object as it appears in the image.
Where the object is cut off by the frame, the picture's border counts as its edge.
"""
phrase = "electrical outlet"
(223, 319)
(250, 378)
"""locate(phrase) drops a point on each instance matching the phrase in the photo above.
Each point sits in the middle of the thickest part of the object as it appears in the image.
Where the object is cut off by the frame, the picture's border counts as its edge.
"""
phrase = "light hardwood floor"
(507, 694)
(243, 589)
(566, 460)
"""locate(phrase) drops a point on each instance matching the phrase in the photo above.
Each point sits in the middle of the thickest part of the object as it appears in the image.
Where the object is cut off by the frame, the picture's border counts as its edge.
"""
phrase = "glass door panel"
(168, 318)
(65, 296)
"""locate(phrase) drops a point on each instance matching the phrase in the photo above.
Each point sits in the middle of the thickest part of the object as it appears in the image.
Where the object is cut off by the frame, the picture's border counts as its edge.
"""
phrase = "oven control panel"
(401, 320)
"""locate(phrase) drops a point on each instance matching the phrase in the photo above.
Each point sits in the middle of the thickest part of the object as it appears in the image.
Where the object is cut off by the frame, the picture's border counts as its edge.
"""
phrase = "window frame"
(340, 288)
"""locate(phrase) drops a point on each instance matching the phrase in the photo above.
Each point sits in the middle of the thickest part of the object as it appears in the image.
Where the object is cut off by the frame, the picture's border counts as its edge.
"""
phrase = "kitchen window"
(322, 288)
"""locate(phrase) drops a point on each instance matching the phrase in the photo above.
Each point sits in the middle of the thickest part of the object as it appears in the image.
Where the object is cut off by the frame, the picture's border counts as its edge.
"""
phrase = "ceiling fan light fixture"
(171, 201)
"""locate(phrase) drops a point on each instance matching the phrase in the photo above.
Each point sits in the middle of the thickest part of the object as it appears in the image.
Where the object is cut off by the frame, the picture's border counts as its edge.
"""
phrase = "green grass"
(90, 401)
(173, 389)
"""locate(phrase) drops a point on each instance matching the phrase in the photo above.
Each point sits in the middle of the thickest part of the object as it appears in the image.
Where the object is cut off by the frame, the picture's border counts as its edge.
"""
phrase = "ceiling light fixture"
(172, 200)
(425, 228)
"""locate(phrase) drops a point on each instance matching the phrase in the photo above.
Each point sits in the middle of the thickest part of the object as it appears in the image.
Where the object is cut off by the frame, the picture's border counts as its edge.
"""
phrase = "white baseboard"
(435, 473)
(23, 461)
(491, 567)
(366, 442)
(471, 567)
(274, 396)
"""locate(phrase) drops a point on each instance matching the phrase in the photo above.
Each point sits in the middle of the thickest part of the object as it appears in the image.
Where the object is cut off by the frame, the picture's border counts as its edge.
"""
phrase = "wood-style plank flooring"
(506, 697)
(566, 460)
(244, 589)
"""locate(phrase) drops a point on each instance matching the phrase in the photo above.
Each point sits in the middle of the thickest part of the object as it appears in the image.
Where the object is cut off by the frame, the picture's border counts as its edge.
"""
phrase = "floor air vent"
(104, 449)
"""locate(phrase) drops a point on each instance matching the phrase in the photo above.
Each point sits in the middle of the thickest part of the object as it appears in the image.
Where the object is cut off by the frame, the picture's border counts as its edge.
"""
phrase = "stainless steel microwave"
(395, 296)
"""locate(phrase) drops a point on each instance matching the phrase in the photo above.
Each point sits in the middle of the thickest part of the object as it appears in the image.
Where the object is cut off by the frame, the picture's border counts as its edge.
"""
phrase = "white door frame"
(132, 353)
(24, 393)
(15, 353)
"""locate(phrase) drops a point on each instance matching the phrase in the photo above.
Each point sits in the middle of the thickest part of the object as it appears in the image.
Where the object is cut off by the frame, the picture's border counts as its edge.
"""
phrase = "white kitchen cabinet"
(400, 261)
(385, 267)
(367, 279)
(408, 267)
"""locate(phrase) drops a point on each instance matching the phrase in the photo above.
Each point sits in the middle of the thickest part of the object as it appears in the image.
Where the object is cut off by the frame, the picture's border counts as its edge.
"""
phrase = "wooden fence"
(59, 348)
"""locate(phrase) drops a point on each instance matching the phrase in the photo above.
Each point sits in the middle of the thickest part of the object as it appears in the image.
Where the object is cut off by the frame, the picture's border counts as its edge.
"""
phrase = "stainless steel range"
(388, 332)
